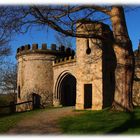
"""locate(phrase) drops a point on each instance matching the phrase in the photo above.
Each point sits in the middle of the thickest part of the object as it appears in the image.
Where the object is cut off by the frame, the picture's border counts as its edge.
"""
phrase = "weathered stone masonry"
(61, 78)
(136, 84)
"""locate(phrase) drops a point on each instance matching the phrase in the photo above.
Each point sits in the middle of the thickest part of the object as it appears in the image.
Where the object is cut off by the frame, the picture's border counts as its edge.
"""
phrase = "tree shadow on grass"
(133, 122)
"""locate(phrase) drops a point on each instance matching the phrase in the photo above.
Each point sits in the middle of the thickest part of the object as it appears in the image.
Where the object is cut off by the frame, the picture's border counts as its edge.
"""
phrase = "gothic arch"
(65, 89)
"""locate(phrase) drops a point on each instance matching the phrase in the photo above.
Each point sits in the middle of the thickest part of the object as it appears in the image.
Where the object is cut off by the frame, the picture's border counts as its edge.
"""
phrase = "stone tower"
(35, 74)
(91, 65)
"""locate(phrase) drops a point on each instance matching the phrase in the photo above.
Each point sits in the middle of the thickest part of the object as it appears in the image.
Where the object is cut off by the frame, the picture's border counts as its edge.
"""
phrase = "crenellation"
(62, 48)
(34, 46)
(27, 47)
(72, 53)
(53, 47)
(18, 50)
(61, 59)
(64, 60)
(22, 48)
(68, 51)
(44, 46)
(90, 28)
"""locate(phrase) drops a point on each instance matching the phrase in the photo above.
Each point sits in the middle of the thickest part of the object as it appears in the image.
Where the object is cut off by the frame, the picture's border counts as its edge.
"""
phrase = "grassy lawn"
(102, 122)
(9, 121)
(89, 122)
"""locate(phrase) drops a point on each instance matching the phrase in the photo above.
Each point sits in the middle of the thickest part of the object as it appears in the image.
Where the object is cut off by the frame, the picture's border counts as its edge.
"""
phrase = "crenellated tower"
(35, 73)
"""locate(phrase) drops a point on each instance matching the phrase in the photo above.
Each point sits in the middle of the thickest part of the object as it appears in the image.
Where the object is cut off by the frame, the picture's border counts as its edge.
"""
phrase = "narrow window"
(88, 50)
(18, 91)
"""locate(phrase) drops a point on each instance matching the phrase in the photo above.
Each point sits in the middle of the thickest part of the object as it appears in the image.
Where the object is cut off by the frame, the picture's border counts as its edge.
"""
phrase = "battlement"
(64, 60)
(92, 28)
(61, 51)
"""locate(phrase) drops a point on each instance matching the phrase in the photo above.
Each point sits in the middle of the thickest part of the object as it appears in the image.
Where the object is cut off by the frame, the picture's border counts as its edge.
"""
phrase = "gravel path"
(45, 122)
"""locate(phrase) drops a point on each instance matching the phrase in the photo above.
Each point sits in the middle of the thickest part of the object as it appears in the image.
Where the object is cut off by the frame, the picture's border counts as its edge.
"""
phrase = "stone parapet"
(54, 50)
(94, 28)
(64, 60)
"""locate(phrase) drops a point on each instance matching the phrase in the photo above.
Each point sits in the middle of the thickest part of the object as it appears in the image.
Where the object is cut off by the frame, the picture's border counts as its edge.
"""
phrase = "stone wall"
(94, 65)
(35, 74)
(89, 63)
(61, 68)
(136, 84)
(89, 71)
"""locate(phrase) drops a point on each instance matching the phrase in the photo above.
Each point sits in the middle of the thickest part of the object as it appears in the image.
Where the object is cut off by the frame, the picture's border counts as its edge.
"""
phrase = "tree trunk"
(125, 61)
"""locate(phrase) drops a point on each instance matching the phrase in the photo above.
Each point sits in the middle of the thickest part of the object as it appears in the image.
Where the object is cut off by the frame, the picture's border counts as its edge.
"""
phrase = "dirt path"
(45, 122)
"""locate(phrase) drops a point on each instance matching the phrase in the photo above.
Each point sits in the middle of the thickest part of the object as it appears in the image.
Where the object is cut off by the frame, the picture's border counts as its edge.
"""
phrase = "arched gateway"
(65, 89)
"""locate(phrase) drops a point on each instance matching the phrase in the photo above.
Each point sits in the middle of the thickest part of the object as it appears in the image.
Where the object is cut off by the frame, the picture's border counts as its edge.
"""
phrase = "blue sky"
(40, 36)
(133, 24)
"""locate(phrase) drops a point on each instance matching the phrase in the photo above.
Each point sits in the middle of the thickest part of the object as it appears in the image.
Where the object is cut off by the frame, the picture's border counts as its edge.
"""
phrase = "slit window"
(18, 91)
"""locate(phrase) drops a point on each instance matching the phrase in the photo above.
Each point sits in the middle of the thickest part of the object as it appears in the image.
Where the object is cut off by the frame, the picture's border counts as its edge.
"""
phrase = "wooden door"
(87, 95)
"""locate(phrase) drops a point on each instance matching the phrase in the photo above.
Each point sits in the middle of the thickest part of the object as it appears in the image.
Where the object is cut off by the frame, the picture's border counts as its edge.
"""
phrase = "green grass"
(89, 122)
(102, 122)
(9, 121)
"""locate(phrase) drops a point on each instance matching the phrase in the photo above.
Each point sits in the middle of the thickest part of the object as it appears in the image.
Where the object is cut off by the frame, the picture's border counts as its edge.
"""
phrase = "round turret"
(35, 74)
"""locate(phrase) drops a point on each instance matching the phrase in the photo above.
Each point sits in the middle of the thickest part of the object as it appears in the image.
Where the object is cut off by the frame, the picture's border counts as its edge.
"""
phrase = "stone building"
(59, 77)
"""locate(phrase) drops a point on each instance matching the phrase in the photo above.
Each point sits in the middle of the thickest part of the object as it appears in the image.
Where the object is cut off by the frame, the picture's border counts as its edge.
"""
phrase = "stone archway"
(66, 89)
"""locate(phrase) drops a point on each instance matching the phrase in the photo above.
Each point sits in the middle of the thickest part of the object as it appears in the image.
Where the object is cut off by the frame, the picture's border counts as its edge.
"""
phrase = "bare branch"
(100, 9)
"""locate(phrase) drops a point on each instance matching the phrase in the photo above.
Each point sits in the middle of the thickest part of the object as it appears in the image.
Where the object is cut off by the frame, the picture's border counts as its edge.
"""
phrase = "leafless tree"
(10, 23)
(63, 19)
(61, 39)
(5, 32)
(8, 81)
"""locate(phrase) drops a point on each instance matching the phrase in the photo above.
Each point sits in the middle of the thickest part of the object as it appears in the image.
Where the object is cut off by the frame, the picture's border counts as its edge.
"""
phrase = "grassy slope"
(7, 122)
(102, 122)
(90, 122)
